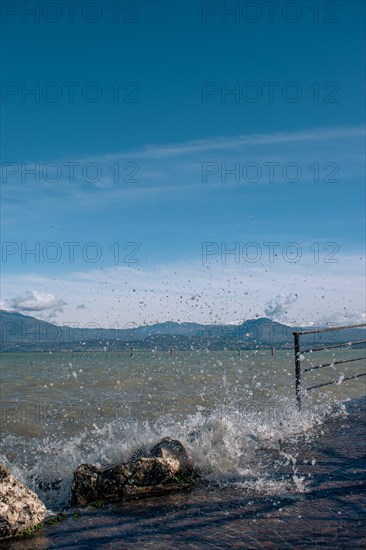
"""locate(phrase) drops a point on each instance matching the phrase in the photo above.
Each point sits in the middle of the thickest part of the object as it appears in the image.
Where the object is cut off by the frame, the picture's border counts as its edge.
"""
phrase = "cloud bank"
(34, 301)
(277, 309)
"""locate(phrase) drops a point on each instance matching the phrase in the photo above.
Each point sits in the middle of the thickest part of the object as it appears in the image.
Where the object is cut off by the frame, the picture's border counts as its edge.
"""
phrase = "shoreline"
(329, 513)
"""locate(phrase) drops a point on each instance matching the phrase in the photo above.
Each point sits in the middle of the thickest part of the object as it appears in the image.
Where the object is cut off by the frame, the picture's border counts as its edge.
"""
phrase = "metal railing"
(299, 352)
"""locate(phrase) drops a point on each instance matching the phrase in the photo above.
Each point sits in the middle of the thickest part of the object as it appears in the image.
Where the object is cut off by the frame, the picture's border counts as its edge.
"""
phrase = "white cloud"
(34, 301)
(223, 292)
(277, 308)
(297, 294)
(344, 318)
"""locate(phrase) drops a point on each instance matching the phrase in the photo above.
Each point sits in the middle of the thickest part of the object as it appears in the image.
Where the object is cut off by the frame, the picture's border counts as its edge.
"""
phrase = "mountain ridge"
(19, 332)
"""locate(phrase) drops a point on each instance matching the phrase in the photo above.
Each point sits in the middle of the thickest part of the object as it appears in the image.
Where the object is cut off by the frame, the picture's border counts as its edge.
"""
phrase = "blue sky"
(226, 135)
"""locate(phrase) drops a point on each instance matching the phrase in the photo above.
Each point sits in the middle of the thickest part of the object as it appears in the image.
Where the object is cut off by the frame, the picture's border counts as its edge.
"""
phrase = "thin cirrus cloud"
(173, 175)
(180, 165)
(198, 212)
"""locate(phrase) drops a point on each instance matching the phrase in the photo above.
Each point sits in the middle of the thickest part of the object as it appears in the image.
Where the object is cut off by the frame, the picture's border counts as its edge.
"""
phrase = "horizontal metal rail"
(298, 370)
(346, 344)
(336, 381)
(333, 363)
(329, 329)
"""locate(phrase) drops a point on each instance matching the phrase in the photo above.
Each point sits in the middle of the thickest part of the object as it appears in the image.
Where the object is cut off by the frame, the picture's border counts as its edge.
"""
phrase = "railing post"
(297, 335)
(297, 369)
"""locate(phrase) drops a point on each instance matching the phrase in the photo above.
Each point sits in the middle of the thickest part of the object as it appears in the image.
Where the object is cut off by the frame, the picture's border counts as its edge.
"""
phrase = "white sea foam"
(235, 414)
(227, 447)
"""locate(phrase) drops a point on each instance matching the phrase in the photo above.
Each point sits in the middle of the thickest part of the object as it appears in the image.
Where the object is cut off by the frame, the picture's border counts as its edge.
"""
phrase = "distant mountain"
(25, 333)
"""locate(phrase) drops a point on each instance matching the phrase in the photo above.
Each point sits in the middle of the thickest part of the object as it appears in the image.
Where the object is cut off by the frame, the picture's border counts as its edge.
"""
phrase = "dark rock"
(84, 484)
(111, 481)
(175, 455)
(167, 467)
(149, 471)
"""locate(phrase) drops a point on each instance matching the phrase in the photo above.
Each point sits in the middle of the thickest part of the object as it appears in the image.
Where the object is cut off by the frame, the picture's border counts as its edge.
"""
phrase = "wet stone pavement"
(329, 514)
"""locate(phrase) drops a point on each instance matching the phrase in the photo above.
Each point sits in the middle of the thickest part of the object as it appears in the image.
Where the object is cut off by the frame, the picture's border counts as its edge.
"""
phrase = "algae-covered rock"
(20, 509)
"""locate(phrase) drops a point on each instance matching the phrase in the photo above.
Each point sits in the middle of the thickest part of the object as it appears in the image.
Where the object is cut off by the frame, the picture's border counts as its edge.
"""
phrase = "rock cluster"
(20, 508)
(165, 468)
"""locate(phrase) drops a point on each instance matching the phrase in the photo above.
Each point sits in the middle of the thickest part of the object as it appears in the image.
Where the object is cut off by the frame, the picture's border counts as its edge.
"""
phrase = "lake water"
(228, 408)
